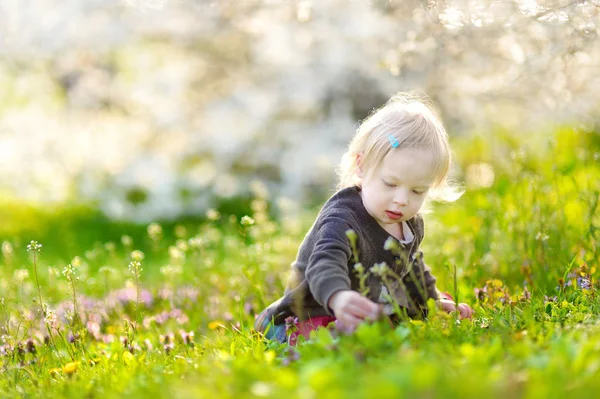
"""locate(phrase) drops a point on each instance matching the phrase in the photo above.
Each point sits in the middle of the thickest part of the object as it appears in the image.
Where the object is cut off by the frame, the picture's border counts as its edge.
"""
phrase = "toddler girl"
(361, 257)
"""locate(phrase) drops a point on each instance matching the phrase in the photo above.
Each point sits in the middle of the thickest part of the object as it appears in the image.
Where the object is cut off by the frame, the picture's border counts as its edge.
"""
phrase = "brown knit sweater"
(325, 265)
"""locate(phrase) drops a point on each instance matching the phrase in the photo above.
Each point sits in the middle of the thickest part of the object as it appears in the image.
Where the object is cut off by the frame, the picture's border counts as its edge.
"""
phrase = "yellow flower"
(213, 325)
(70, 368)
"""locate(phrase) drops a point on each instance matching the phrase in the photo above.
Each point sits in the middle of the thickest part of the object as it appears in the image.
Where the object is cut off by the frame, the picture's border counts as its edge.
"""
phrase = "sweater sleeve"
(327, 269)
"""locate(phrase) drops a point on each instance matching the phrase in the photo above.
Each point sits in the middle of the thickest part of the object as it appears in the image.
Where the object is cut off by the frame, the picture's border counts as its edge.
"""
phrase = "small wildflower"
(247, 221)
(76, 262)
(180, 231)
(213, 325)
(169, 347)
(526, 296)
(137, 255)
(182, 245)
(291, 323)
(583, 282)
(170, 271)
(110, 246)
(390, 244)
(69, 272)
(379, 269)
(148, 345)
(70, 368)
(135, 268)
(50, 318)
(7, 249)
(168, 338)
(541, 236)
(154, 231)
(359, 268)
(213, 214)
(176, 254)
(126, 240)
(196, 243)
(187, 337)
(34, 246)
(21, 275)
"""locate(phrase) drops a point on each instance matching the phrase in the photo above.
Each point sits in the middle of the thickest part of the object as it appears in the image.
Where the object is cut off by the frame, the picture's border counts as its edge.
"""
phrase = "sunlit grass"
(167, 309)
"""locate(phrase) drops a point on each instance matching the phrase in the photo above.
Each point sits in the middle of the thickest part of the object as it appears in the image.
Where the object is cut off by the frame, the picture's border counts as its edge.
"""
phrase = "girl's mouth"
(394, 215)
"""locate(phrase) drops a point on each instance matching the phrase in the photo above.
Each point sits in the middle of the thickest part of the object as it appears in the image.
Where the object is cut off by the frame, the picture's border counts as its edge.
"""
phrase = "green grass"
(524, 250)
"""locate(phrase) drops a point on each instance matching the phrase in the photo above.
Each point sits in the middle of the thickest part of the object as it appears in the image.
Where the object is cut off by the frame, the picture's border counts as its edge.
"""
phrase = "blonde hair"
(412, 120)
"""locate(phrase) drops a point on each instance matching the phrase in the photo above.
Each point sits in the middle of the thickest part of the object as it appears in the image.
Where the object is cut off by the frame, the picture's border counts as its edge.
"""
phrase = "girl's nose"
(401, 198)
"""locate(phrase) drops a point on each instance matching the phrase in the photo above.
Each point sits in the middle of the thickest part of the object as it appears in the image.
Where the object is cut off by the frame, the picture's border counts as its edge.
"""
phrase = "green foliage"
(167, 310)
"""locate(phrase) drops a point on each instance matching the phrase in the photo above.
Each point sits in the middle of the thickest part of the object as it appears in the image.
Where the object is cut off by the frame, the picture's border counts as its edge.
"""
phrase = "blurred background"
(161, 109)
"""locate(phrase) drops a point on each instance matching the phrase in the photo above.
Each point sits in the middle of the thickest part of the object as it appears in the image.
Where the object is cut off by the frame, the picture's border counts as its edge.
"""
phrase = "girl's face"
(396, 189)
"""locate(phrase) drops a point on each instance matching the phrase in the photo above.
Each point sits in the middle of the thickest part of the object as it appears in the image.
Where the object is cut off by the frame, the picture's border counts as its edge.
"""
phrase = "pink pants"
(305, 327)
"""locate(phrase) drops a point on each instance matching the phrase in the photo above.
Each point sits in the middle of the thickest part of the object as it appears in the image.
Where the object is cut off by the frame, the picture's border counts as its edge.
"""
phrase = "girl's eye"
(388, 184)
(418, 192)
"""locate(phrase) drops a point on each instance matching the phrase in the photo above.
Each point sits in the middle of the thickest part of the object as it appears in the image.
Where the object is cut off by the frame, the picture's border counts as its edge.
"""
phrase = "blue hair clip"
(393, 141)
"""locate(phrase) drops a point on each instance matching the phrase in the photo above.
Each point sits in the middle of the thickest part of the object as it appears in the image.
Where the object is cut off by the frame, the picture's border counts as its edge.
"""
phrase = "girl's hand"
(449, 306)
(351, 308)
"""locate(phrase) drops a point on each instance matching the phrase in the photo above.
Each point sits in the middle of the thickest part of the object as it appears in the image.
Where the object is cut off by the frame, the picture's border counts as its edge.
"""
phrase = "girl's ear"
(359, 169)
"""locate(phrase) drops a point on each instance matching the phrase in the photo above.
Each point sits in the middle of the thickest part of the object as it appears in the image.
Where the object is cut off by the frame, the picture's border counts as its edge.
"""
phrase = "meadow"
(96, 308)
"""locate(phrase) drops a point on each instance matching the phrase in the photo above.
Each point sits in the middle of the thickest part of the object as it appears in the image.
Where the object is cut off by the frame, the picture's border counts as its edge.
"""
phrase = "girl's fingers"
(368, 306)
(465, 311)
(349, 320)
(362, 313)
